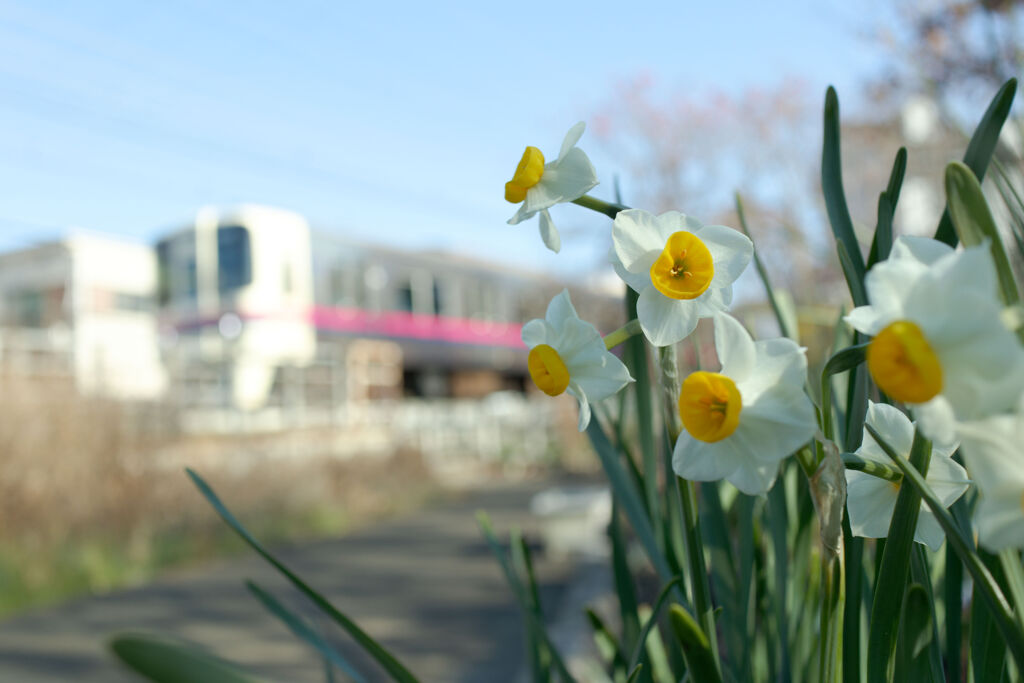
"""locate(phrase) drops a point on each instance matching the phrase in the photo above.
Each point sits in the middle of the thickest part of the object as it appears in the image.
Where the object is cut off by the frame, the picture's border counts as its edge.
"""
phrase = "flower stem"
(594, 204)
(875, 469)
(630, 329)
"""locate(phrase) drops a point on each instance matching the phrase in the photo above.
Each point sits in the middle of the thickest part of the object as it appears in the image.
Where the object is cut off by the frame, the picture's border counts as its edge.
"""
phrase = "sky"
(396, 123)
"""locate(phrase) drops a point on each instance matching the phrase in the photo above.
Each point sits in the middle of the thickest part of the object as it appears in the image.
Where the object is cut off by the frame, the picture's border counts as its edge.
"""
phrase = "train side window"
(403, 297)
(234, 258)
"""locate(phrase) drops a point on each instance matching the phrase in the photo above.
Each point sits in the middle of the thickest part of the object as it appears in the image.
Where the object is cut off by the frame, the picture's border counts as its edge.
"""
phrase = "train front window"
(176, 269)
(234, 258)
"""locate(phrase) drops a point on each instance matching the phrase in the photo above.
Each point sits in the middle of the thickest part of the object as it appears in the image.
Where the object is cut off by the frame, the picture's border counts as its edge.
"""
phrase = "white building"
(83, 304)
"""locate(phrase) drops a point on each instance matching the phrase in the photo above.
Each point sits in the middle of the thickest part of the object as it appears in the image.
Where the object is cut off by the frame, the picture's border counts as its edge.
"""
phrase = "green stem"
(630, 329)
(594, 204)
(876, 469)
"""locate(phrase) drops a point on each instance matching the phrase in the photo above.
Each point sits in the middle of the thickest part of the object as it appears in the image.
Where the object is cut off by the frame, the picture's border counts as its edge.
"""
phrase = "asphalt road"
(425, 586)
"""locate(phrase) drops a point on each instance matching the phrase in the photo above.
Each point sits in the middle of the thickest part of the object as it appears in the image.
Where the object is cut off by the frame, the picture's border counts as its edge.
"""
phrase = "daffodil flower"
(540, 186)
(871, 500)
(682, 269)
(741, 422)
(994, 451)
(568, 355)
(939, 341)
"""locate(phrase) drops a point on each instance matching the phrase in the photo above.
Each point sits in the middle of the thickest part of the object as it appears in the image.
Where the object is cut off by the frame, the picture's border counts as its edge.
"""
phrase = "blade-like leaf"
(981, 147)
(832, 187)
(696, 648)
(974, 224)
(302, 630)
(168, 661)
(383, 657)
(881, 244)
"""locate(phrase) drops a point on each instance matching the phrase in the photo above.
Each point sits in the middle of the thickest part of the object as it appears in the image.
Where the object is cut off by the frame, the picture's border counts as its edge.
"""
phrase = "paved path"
(426, 587)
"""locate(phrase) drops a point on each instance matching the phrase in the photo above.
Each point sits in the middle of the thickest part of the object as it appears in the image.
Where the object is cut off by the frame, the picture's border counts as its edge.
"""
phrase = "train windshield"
(234, 258)
(176, 268)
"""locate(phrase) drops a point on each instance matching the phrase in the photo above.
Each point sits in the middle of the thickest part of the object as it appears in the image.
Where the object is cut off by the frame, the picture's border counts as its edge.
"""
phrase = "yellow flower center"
(684, 269)
(547, 369)
(903, 363)
(709, 405)
(528, 173)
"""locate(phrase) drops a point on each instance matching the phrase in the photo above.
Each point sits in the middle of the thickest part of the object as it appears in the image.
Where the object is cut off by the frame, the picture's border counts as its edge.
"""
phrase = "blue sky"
(397, 123)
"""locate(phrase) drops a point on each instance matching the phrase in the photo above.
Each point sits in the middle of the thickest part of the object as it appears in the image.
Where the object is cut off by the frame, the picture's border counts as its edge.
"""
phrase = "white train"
(253, 292)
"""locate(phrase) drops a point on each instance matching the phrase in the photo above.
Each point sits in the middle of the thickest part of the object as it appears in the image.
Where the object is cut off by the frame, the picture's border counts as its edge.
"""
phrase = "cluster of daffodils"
(939, 348)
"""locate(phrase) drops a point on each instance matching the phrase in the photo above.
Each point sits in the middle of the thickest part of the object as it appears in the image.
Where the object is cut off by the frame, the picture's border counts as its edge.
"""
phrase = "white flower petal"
(892, 425)
(635, 236)
(924, 250)
(541, 196)
(928, 530)
(753, 479)
(870, 502)
(602, 378)
(776, 362)
(777, 424)
(575, 391)
(521, 215)
(713, 301)
(537, 332)
(700, 461)
(731, 252)
(867, 319)
(1000, 519)
(570, 177)
(636, 281)
(571, 138)
(548, 232)
(559, 310)
(735, 348)
(664, 321)
(946, 478)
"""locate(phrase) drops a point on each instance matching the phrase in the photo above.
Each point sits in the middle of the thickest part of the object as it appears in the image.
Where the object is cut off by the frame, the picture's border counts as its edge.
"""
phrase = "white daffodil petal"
(871, 502)
(753, 479)
(778, 361)
(887, 284)
(537, 332)
(521, 215)
(572, 177)
(636, 281)
(892, 425)
(928, 530)
(636, 235)
(924, 250)
(699, 461)
(548, 232)
(1000, 519)
(584, 405)
(867, 319)
(543, 195)
(602, 379)
(571, 138)
(777, 424)
(730, 250)
(664, 321)
(735, 348)
(946, 478)
(714, 301)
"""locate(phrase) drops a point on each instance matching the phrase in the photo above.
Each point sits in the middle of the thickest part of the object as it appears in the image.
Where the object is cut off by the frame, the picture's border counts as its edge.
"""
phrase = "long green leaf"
(981, 147)
(853, 558)
(841, 361)
(168, 661)
(891, 584)
(383, 657)
(974, 224)
(920, 574)
(540, 656)
(302, 630)
(636, 659)
(607, 644)
(700, 662)
(915, 638)
(854, 282)
(881, 243)
(832, 187)
(762, 272)
(624, 587)
(632, 504)
(522, 594)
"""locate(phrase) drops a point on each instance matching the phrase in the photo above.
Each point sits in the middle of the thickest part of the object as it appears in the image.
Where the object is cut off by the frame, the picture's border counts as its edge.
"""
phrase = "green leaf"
(762, 272)
(382, 656)
(912, 662)
(302, 630)
(854, 281)
(625, 590)
(974, 224)
(881, 243)
(523, 595)
(640, 648)
(981, 147)
(891, 584)
(163, 660)
(632, 505)
(607, 644)
(835, 197)
(841, 361)
(696, 647)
